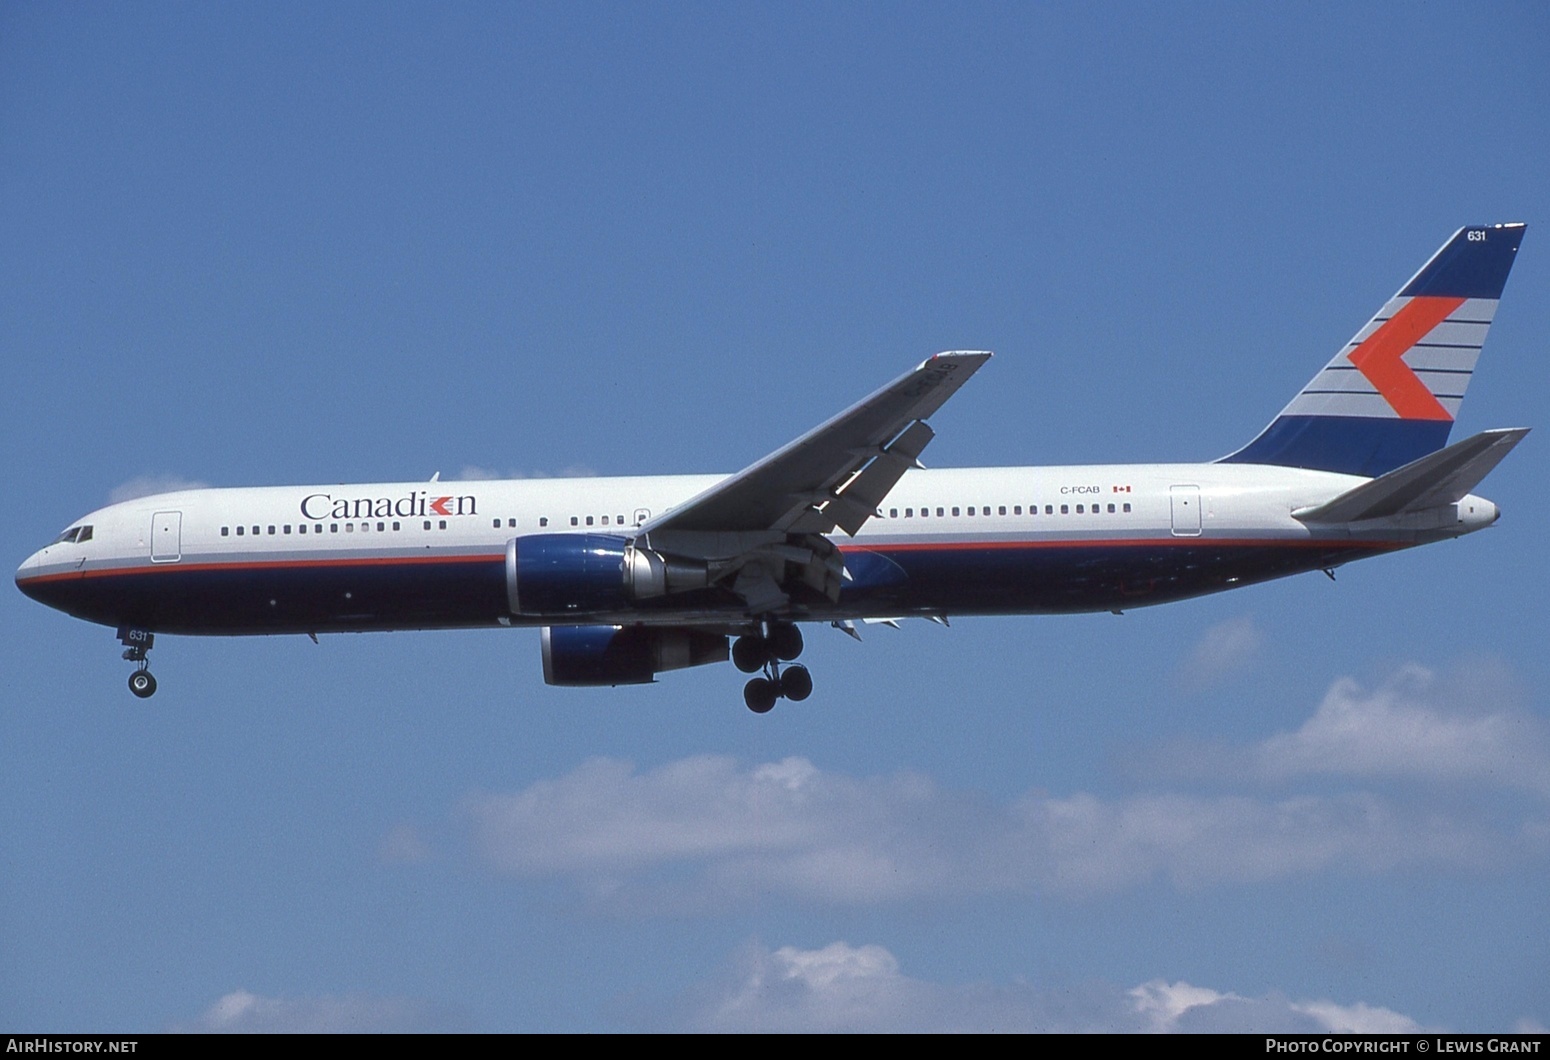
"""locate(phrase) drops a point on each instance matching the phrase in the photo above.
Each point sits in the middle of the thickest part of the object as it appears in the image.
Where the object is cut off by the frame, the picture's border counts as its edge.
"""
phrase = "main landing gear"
(137, 642)
(780, 642)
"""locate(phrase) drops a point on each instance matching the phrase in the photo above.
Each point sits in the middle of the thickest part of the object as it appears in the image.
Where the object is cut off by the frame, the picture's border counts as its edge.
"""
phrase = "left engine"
(575, 574)
(625, 655)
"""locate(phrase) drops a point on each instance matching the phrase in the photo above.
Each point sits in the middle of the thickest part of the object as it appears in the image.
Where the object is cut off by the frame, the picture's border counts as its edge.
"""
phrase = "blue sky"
(250, 245)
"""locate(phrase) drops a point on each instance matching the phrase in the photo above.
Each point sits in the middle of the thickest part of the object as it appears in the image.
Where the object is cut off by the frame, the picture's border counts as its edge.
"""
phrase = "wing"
(836, 474)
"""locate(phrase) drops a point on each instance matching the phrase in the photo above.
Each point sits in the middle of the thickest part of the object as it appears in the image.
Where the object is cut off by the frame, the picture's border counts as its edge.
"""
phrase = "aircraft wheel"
(785, 641)
(142, 684)
(796, 683)
(760, 695)
(749, 654)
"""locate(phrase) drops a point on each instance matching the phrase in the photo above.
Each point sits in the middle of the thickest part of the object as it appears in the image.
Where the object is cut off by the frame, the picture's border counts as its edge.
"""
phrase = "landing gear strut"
(780, 642)
(137, 642)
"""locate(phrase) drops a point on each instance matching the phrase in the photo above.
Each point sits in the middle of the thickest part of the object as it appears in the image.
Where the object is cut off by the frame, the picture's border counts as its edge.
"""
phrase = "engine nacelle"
(625, 655)
(573, 574)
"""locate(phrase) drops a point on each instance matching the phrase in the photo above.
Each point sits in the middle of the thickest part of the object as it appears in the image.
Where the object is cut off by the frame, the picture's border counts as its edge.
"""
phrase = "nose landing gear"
(137, 642)
(781, 642)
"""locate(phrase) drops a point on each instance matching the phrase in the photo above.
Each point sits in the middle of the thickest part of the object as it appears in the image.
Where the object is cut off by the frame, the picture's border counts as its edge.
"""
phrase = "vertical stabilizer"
(1391, 394)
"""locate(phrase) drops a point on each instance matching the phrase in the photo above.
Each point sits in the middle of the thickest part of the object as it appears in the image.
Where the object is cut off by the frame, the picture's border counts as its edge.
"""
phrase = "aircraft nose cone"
(26, 572)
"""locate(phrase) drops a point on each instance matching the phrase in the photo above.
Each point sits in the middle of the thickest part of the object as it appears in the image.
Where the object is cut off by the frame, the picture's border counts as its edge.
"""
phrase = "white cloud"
(242, 1012)
(150, 485)
(1417, 726)
(840, 987)
(1225, 649)
(705, 829)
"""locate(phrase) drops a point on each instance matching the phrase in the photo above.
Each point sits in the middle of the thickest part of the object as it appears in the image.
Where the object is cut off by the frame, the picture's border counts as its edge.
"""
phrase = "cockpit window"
(84, 536)
(73, 536)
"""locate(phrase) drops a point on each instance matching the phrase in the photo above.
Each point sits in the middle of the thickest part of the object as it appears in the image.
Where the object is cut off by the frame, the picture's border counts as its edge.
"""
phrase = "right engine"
(625, 655)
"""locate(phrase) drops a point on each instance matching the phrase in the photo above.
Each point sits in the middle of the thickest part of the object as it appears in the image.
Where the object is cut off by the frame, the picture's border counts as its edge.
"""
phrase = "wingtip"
(980, 356)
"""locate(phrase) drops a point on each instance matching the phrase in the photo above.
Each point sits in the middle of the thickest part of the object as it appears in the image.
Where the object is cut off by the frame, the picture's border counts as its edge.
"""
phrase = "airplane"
(631, 577)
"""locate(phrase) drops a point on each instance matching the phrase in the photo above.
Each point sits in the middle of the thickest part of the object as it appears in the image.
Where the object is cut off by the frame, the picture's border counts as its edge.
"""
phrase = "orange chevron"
(1380, 357)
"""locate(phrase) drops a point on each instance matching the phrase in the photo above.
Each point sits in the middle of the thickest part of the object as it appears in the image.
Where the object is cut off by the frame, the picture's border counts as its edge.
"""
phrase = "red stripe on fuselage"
(911, 546)
(1126, 542)
(277, 564)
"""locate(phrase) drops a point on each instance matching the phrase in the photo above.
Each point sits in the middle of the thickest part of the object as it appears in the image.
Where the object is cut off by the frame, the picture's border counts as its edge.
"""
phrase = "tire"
(142, 684)
(785, 642)
(749, 654)
(796, 683)
(760, 695)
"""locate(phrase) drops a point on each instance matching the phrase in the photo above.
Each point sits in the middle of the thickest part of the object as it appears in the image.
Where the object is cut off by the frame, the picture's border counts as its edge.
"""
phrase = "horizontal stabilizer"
(1444, 477)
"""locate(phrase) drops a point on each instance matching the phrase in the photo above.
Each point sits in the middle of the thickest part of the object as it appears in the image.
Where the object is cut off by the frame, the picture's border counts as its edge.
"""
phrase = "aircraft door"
(1186, 510)
(166, 537)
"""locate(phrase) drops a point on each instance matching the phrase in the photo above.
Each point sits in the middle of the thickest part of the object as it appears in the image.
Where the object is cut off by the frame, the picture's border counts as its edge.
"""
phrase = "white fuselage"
(974, 540)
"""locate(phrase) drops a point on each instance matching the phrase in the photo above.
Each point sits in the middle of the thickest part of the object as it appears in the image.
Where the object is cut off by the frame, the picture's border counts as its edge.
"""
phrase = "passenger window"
(318, 528)
(1078, 509)
(971, 510)
(939, 513)
(1111, 509)
(302, 528)
(1003, 510)
(1127, 506)
(573, 521)
(543, 520)
(349, 528)
(225, 531)
(427, 524)
(333, 528)
(589, 520)
(511, 522)
(443, 524)
(955, 511)
(287, 528)
(239, 531)
(1016, 510)
(1049, 509)
(380, 527)
(618, 519)
(1065, 509)
(497, 524)
(255, 531)
(395, 526)
(893, 513)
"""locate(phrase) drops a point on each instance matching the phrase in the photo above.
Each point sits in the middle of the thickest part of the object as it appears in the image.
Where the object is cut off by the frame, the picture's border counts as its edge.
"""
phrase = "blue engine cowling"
(625, 655)
(566, 574)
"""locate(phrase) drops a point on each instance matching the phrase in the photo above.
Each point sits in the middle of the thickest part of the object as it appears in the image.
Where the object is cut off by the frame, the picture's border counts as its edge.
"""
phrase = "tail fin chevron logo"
(1391, 395)
(1380, 358)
